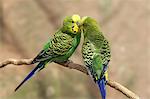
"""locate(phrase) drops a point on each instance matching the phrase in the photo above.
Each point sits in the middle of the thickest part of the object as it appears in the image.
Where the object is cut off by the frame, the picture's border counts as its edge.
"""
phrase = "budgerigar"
(95, 52)
(60, 48)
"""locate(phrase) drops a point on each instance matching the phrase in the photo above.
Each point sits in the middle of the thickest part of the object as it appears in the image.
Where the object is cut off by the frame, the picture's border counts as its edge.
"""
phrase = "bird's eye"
(72, 21)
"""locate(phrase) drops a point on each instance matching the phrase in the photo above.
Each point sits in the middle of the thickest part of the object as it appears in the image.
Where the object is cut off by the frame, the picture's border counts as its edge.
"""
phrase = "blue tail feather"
(40, 65)
(102, 84)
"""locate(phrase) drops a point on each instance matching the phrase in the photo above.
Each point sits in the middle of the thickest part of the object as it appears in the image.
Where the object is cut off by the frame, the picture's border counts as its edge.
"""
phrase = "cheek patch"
(75, 28)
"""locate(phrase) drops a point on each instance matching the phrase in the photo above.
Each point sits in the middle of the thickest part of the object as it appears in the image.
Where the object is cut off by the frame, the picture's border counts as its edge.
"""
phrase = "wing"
(101, 59)
(45, 54)
(61, 44)
(105, 54)
(72, 48)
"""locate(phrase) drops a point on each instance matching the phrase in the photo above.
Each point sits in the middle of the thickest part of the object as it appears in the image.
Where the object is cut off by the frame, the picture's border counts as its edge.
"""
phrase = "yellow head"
(71, 24)
(76, 18)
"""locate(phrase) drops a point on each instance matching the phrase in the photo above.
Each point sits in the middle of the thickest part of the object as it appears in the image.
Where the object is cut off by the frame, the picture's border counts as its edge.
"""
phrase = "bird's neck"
(68, 33)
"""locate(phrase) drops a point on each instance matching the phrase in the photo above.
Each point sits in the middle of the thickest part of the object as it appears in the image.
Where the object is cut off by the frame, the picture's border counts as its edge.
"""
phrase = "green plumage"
(95, 52)
(96, 49)
(64, 42)
(60, 47)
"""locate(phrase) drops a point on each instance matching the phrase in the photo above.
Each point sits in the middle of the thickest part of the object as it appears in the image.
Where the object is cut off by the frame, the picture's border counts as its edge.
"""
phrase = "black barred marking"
(105, 51)
(88, 55)
(61, 44)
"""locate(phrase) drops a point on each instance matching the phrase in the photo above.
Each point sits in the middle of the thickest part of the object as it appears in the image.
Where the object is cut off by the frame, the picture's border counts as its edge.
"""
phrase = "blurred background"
(25, 25)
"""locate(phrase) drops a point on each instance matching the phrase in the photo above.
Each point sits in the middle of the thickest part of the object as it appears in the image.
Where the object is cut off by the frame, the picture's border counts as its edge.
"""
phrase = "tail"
(102, 84)
(37, 68)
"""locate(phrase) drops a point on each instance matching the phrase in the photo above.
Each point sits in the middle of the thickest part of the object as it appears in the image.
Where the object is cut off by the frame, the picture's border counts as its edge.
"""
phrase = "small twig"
(122, 89)
(69, 64)
(16, 62)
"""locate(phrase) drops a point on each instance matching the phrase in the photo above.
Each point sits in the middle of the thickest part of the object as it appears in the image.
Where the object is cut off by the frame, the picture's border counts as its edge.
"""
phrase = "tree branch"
(69, 64)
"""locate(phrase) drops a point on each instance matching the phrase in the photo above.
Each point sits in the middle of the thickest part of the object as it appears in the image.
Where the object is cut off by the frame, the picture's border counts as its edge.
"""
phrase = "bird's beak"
(78, 24)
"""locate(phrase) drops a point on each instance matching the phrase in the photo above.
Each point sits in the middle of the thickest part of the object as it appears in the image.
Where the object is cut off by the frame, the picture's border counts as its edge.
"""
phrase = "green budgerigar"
(60, 47)
(95, 52)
